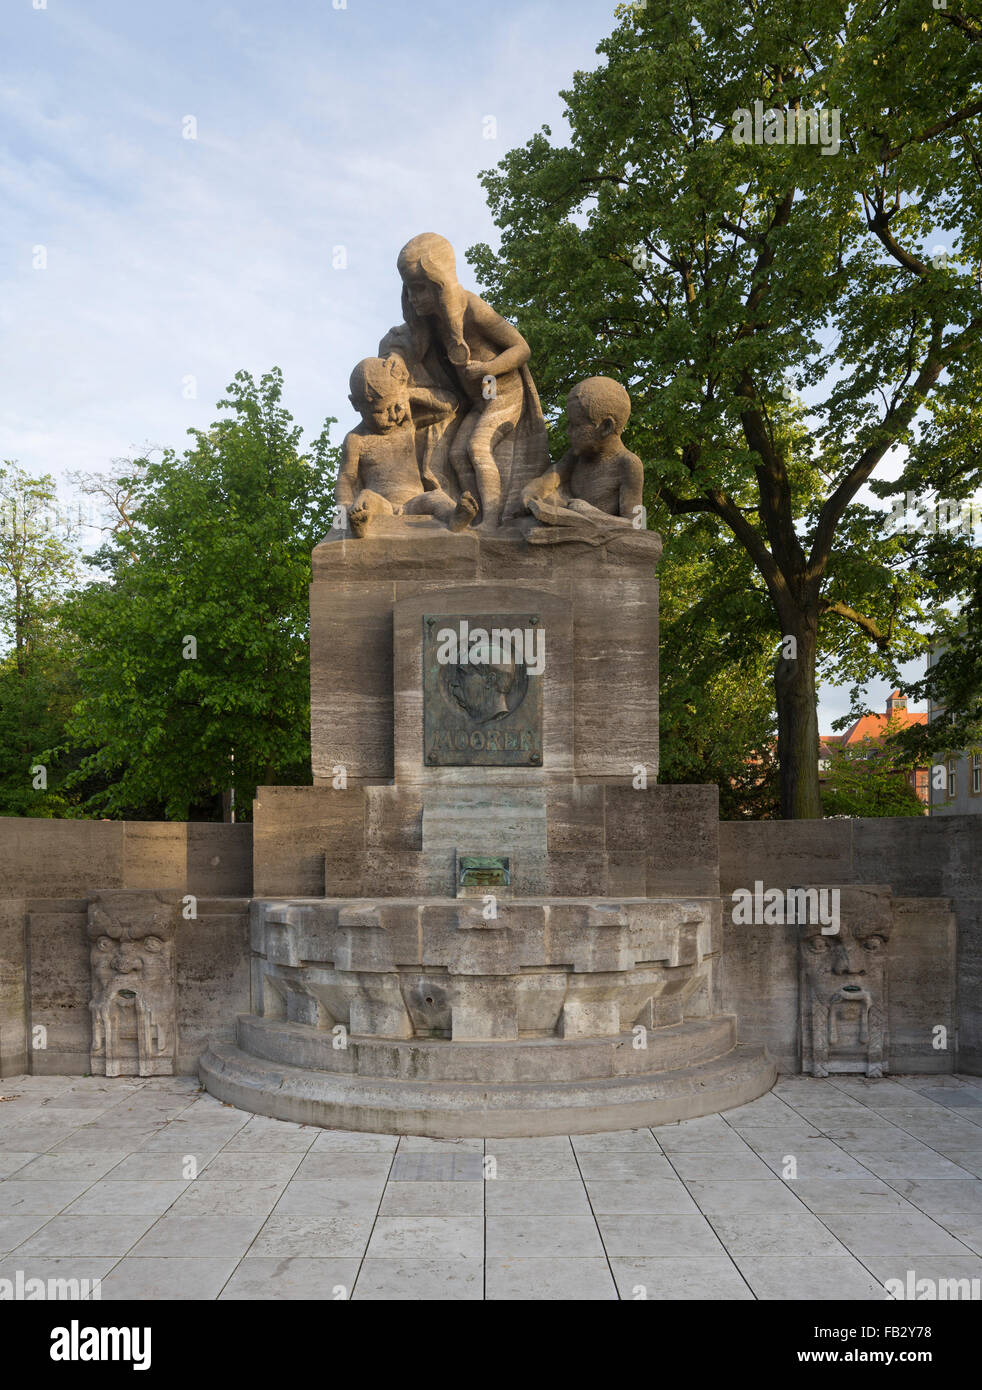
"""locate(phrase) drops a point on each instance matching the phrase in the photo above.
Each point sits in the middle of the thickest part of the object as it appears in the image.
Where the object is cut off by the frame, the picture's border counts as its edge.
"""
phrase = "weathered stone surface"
(133, 999)
(351, 678)
(213, 975)
(59, 984)
(296, 828)
(48, 858)
(14, 1042)
(920, 857)
(496, 1110)
(844, 985)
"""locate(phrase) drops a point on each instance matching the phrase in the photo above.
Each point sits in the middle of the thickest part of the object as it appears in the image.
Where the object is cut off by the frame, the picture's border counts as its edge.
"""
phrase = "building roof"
(872, 726)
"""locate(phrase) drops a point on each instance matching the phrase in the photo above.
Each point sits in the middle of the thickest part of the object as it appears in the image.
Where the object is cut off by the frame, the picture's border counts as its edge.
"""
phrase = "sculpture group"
(452, 428)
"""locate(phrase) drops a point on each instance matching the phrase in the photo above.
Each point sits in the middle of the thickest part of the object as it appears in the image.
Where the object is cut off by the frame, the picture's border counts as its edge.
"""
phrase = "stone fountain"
(485, 917)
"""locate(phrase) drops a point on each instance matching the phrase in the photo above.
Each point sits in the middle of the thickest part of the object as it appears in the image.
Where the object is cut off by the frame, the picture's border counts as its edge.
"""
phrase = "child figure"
(471, 346)
(597, 485)
(380, 474)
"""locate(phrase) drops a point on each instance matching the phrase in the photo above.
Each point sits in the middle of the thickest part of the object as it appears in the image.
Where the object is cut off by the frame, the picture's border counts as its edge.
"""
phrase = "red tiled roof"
(872, 725)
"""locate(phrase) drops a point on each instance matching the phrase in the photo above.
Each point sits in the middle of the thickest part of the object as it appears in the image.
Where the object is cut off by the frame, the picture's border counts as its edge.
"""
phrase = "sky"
(190, 188)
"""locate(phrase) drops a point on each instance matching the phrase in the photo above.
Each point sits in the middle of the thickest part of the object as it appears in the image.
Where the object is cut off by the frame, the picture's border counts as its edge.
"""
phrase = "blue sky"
(173, 262)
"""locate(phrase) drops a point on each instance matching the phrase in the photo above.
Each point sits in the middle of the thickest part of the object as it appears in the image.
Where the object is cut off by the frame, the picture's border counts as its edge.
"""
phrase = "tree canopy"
(778, 309)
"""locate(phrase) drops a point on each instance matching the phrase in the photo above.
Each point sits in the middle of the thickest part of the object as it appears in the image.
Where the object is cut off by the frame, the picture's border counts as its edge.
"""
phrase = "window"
(952, 779)
(976, 774)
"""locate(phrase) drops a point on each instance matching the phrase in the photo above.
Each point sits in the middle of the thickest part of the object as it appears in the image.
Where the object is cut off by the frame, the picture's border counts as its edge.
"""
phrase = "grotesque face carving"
(133, 986)
(844, 987)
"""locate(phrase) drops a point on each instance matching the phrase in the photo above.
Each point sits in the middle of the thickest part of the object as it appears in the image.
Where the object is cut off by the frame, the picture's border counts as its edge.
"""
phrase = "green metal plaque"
(483, 871)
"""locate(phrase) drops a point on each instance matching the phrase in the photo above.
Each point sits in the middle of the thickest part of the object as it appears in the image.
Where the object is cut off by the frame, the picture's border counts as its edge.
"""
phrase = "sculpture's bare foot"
(464, 512)
(358, 518)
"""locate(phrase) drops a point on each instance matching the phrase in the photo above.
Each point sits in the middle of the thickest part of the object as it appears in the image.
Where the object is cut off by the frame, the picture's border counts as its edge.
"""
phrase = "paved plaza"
(822, 1189)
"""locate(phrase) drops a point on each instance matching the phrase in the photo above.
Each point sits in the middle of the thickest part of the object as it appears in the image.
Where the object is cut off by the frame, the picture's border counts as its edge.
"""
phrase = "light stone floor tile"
(726, 1198)
(908, 1162)
(942, 1196)
(968, 1229)
(87, 1235)
(12, 1161)
(879, 1092)
(91, 1164)
(964, 1266)
(874, 1235)
(709, 1277)
(342, 1196)
(214, 1237)
(702, 1141)
(296, 1278)
(158, 1165)
(103, 1139)
(425, 1237)
(838, 1195)
(81, 1267)
(519, 1197)
(637, 1167)
(435, 1199)
(537, 1279)
(343, 1141)
(621, 1141)
(673, 1235)
(84, 1100)
(45, 1198)
(272, 1210)
(43, 1138)
(812, 1161)
(108, 1198)
(233, 1167)
(437, 1167)
(248, 1140)
(965, 1156)
(809, 1277)
(166, 1277)
(417, 1143)
(228, 1198)
(646, 1195)
(870, 1134)
(15, 1228)
(542, 1236)
(542, 1144)
(399, 1279)
(313, 1236)
(724, 1167)
(547, 1168)
(326, 1167)
(785, 1233)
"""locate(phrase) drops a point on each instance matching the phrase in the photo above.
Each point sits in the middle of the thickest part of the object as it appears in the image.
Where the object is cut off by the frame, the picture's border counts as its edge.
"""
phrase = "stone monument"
(485, 917)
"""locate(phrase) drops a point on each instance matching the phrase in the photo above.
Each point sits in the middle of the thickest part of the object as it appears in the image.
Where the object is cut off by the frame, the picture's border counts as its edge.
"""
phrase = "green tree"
(38, 561)
(870, 779)
(715, 707)
(776, 309)
(193, 659)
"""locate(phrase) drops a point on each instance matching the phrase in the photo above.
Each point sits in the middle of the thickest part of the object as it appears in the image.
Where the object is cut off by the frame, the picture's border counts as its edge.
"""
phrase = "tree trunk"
(797, 721)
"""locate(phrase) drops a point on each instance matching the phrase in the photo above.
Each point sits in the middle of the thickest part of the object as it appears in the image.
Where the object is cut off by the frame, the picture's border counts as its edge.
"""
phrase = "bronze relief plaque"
(482, 690)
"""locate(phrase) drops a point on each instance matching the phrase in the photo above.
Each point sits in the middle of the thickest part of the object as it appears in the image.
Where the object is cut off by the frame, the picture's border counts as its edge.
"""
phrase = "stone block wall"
(50, 870)
(934, 869)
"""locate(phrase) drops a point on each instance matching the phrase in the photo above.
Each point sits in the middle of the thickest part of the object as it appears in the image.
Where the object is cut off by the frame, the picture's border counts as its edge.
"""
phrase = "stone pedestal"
(485, 917)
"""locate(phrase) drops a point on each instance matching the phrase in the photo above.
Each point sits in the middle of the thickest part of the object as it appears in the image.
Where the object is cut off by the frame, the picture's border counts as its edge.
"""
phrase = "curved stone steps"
(466, 1110)
(509, 1063)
